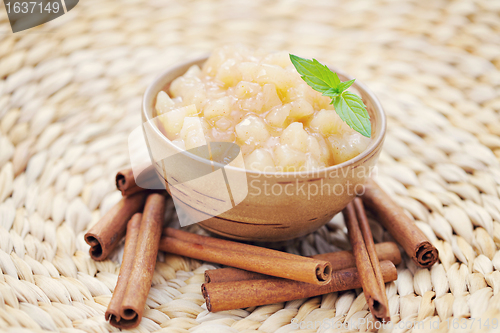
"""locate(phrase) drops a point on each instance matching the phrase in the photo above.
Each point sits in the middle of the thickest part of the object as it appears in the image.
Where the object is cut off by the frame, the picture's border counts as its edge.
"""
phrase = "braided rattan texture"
(70, 94)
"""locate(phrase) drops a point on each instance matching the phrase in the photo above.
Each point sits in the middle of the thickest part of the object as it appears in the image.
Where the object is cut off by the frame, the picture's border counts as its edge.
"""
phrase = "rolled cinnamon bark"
(400, 226)
(125, 182)
(128, 185)
(339, 260)
(366, 259)
(241, 294)
(228, 274)
(105, 234)
(141, 275)
(322, 270)
(256, 259)
(364, 227)
(114, 308)
(229, 245)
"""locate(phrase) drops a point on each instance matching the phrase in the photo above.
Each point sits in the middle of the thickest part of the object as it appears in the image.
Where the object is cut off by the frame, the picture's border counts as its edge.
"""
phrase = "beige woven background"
(70, 94)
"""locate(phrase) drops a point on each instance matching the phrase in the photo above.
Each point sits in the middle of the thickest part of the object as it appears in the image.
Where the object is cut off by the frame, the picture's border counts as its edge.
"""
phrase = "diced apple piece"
(326, 122)
(191, 124)
(223, 136)
(177, 86)
(195, 95)
(295, 136)
(281, 59)
(249, 70)
(246, 149)
(193, 71)
(312, 163)
(276, 75)
(319, 149)
(300, 90)
(173, 120)
(271, 98)
(346, 146)
(223, 124)
(218, 108)
(245, 89)
(313, 147)
(252, 104)
(191, 110)
(192, 132)
(228, 73)
(260, 160)
(325, 150)
(301, 108)
(289, 159)
(277, 116)
(252, 130)
(163, 103)
(321, 102)
(217, 57)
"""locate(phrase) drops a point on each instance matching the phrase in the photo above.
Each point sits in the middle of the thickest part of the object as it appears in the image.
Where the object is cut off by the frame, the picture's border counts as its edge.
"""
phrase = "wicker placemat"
(70, 94)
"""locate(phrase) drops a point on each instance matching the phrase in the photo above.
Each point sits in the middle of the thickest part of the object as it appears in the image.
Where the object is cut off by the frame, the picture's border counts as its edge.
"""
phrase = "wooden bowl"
(278, 205)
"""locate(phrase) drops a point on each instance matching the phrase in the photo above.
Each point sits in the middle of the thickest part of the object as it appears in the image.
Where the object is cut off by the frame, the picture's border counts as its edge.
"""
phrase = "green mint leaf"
(351, 109)
(345, 85)
(317, 76)
(348, 106)
(332, 92)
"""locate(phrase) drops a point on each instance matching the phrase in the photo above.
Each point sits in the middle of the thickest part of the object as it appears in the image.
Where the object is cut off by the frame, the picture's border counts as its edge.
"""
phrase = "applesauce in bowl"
(301, 162)
(261, 103)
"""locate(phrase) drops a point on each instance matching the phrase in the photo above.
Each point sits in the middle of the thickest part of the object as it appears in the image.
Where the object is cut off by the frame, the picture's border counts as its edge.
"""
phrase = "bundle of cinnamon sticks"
(143, 232)
(256, 275)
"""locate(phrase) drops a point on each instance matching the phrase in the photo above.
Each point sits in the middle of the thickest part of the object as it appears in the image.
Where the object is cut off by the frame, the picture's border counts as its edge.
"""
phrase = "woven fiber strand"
(70, 93)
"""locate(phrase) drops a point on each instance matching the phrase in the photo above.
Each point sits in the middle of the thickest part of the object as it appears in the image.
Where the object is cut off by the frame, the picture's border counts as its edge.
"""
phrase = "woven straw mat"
(70, 94)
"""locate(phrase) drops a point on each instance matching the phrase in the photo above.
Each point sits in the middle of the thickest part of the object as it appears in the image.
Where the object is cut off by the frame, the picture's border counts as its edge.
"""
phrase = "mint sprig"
(348, 106)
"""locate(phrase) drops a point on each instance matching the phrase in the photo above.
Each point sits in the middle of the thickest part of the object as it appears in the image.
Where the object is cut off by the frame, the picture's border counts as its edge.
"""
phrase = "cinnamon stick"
(228, 245)
(128, 185)
(105, 234)
(228, 274)
(366, 259)
(241, 294)
(114, 308)
(400, 226)
(339, 260)
(141, 275)
(244, 256)
(125, 182)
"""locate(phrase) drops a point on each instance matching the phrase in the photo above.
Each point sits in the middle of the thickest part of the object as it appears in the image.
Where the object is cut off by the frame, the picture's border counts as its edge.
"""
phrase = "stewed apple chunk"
(173, 120)
(252, 130)
(260, 160)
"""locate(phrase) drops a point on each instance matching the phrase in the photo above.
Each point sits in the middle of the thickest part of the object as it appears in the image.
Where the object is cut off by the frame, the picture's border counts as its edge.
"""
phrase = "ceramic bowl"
(278, 205)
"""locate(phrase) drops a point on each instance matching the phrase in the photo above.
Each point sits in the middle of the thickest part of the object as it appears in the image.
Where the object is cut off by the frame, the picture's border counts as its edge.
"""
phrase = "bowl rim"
(361, 87)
